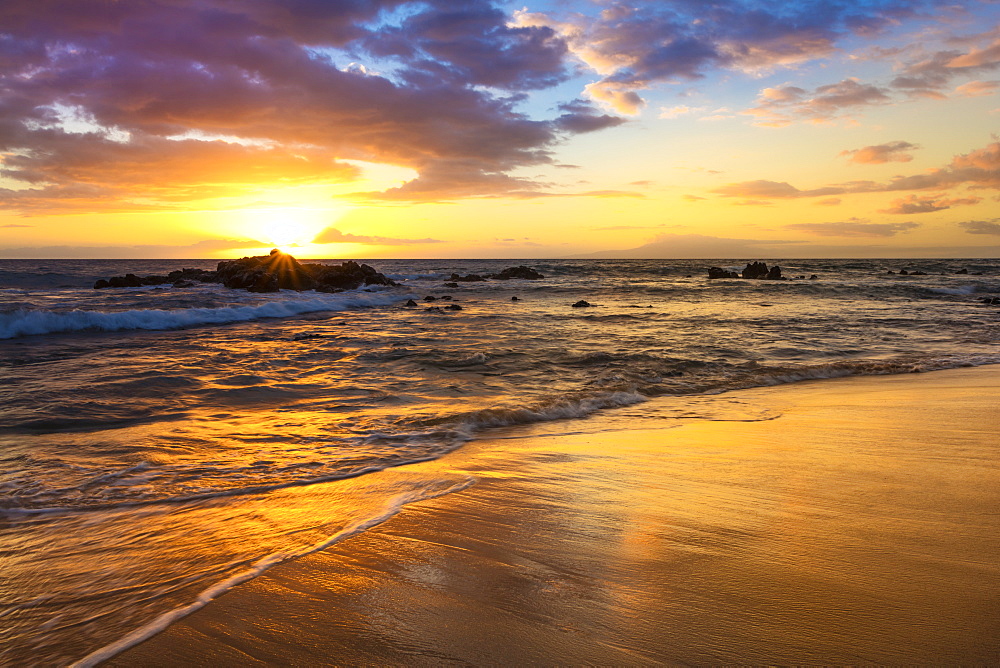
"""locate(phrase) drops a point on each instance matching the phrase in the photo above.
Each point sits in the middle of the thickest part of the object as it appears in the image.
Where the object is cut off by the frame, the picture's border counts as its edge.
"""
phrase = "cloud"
(982, 226)
(778, 107)
(927, 204)
(636, 46)
(204, 248)
(977, 88)
(829, 201)
(896, 151)
(133, 106)
(12, 225)
(332, 235)
(768, 190)
(854, 227)
(929, 74)
(977, 169)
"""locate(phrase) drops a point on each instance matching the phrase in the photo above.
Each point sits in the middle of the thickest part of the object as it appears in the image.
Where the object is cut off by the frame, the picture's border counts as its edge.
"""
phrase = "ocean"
(160, 445)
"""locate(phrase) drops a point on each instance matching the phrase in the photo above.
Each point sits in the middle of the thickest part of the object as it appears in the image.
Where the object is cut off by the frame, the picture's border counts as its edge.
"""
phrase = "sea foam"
(23, 322)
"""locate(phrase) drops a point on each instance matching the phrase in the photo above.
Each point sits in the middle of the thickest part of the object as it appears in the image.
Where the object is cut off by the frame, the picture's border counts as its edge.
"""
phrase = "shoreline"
(849, 520)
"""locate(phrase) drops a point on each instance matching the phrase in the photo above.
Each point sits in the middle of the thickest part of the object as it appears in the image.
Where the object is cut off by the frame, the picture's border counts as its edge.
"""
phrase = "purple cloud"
(113, 106)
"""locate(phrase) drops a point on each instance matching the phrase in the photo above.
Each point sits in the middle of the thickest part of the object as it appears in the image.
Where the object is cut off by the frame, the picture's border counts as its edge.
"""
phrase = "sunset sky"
(446, 128)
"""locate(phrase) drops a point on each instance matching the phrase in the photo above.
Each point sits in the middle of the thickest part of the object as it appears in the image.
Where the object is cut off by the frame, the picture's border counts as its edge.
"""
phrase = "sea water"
(159, 445)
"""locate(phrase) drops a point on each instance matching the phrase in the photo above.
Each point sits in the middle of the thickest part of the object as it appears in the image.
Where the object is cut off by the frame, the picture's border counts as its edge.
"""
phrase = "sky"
(480, 129)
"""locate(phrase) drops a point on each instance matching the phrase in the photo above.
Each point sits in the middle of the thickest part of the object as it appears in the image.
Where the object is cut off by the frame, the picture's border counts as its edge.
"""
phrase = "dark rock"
(962, 271)
(918, 273)
(202, 275)
(183, 284)
(891, 272)
(903, 272)
(346, 276)
(774, 274)
(451, 285)
(755, 270)
(717, 272)
(582, 304)
(434, 309)
(452, 307)
(813, 277)
(446, 298)
(264, 273)
(126, 281)
(430, 298)
(514, 299)
(410, 302)
(519, 271)
(992, 301)
(469, 278)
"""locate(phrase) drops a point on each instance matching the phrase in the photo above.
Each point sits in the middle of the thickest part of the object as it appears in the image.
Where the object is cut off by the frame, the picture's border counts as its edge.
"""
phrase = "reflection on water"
(140, 466)
(863, 531)
(85, 576)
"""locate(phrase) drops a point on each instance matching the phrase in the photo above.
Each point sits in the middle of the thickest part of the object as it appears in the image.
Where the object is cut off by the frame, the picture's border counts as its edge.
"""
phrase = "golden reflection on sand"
(860, 526)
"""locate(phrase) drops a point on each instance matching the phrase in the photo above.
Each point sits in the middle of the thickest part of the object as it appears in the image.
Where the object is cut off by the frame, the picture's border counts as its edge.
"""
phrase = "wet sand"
(850, 521)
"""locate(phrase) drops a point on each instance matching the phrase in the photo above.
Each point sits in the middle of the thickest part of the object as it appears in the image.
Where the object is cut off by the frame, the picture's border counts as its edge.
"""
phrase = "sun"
(285, 228)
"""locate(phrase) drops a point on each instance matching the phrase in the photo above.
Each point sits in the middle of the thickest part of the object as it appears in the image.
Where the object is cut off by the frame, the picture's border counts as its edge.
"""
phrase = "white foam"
(27, 323)
(962, 290)
(153, 627)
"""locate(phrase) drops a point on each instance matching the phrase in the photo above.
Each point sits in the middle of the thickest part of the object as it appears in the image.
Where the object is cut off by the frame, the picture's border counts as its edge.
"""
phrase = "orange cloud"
(896, 151)
(927, 204)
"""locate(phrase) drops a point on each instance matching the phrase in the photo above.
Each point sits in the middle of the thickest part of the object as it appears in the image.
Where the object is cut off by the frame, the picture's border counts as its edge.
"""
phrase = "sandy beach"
(847, 521)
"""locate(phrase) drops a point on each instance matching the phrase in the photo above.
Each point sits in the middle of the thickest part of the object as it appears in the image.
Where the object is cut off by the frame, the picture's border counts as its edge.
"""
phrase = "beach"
(844, 521)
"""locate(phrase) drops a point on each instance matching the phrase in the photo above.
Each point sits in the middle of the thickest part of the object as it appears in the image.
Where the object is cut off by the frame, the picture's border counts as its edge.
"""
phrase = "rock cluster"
(753, 270)
(519, 271)
(264, 273)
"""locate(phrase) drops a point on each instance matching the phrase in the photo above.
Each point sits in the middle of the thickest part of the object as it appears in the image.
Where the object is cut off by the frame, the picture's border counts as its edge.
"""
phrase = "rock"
(903, 272)
(430, 298)
(514, 299)
(446, 298)
(774, 274)
(755, 270)
(346, 276)
(918, 273)
(410, 302)
(992, 301)
(519, 271)
(451, 285)
(813, 277)
(718, 272)
(891, 272)
(470, 278)
(582, 304)
(264, 273)
(962, 271)
(202, 275)
(452, 307)
(183, 284)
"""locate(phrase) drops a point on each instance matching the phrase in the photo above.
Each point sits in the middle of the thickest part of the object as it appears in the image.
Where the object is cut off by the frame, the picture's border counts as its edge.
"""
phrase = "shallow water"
(144, 430)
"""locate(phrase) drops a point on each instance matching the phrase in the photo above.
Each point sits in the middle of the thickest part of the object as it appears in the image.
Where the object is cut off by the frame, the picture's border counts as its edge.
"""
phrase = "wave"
(24, 322)
(151, 628)
(959, 291)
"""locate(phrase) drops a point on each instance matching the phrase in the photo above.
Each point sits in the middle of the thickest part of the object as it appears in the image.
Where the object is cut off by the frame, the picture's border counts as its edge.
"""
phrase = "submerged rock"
(753, 270)
(719, 272)
(582, 304)
(519, 271)
(468, 278)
